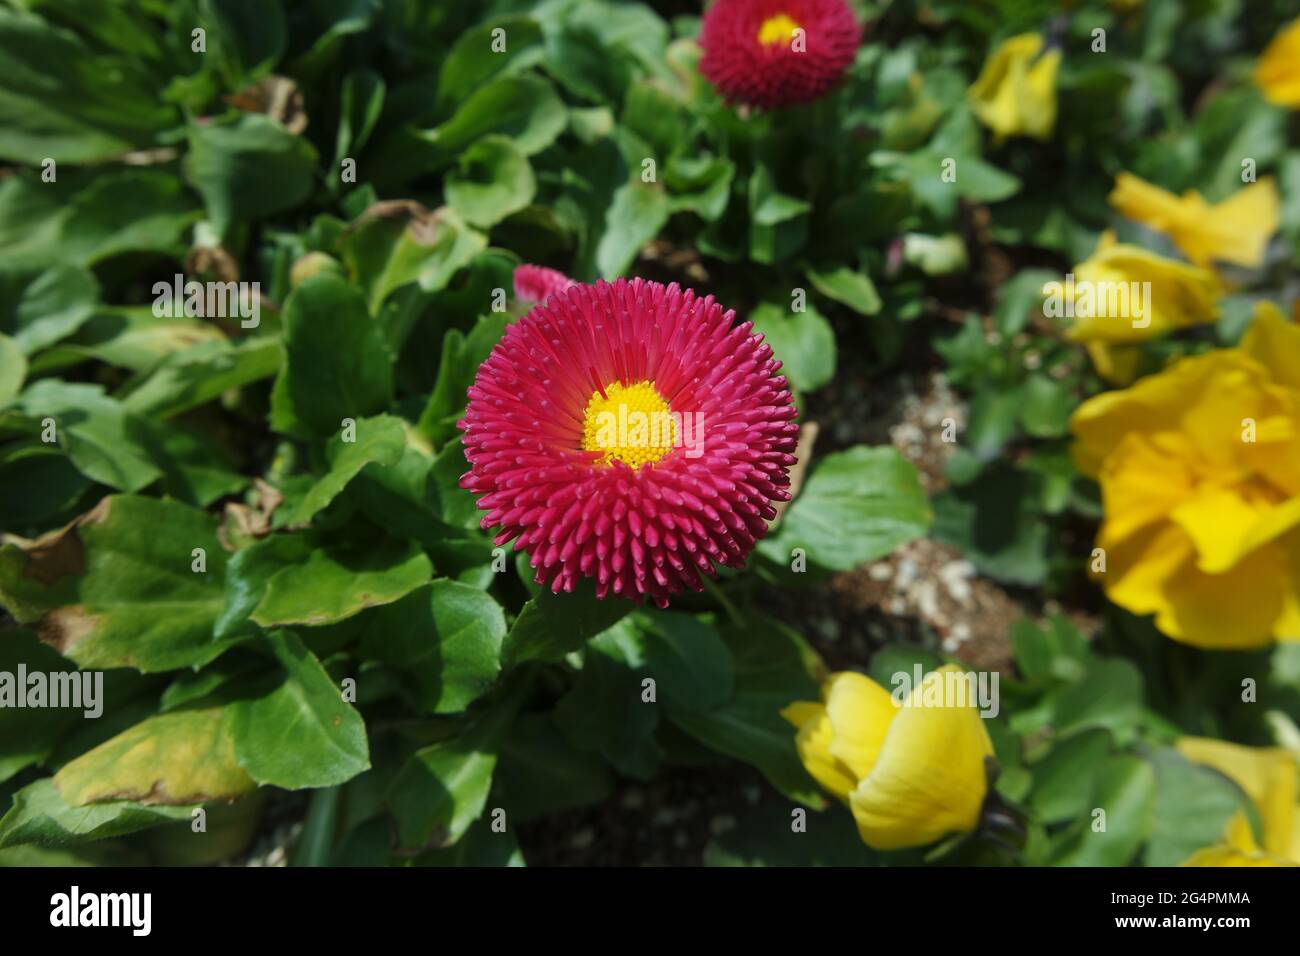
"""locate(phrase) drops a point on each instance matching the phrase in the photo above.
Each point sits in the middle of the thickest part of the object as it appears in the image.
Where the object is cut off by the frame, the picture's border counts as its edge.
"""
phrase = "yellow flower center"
(777, 29)
(630, 423)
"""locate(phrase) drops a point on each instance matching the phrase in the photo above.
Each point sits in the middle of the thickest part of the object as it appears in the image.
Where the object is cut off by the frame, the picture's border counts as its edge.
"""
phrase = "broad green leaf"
(552, 625)
(47, 307)
(606, 710)
(302, 733)
(38, 485)
(856, 506)
(635, 217)
(102, 439)
(28, 736)
(690, 663)
(849, 287)
(116, 588)
(393, 245)
(443, 788)
(491, 180)
(85, 222)
(178, 759)
(803, 341)
(445, 638)
(249, 168)
(13, 369)
(1125, 789)
(329, 584)
(475, 58)
(64, 101)
(748, 729)
(1192, 809)
(337, 365)
(202, 373)
(380, 440)
(540, 773)
(40, 815)
(1056, 795)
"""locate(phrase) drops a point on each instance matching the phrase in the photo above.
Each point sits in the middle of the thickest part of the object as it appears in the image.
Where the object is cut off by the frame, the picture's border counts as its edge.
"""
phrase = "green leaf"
(380, 440)
(178, 759)
(197, 375)
(540, 773)
(1193, 807)
(330, 583)
(461, 357)
(64, 101)
(852, 288)
(445, 637)
(40, 815)
(337, 365)
(857, 506)
(552, 625)
(748, 729)
(638, 212)
(1125, 788)
(1056, 795)
(49, 224)
(393, 245)
(38, 485)
(525, 109)
(690, 663)
(48, 306)
(443, 788)
(803, 341)
(605, 710)
(13, 369)
(1046, 407)
(103, 441)
(491, 180)
(303, 733)
(249, 168)
(474, 60)
(116, 589)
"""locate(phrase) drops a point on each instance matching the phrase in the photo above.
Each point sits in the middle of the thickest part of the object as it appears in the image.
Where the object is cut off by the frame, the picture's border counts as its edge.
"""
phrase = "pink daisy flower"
(628, 433)
(535, 283)
(770, 53)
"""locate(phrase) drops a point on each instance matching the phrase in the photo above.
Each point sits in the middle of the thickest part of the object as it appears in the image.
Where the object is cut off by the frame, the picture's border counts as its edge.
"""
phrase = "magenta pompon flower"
(535, 283)
(771, 53)
(631, 434)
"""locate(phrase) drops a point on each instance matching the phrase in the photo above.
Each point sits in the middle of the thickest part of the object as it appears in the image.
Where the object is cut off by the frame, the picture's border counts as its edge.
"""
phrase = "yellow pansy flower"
(1125, 294)
(1199, 468)
(1270, 777)
(1277, 73)
(1015, 93)
(910, 771)
(1236, 230)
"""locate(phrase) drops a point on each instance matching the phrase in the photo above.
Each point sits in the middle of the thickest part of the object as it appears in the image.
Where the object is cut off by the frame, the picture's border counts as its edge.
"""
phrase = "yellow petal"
(1015, 93)
(1236, 230)
(1275, 343)
(1225, 525)
(813, 744)
(1139, 569)
(1124, 294)
(1241, 608)
(1269, 776)
(1142, 481)
(1116, 364)
(930, 778)
(1158, 403)
(1277, 73)
(860, 713)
